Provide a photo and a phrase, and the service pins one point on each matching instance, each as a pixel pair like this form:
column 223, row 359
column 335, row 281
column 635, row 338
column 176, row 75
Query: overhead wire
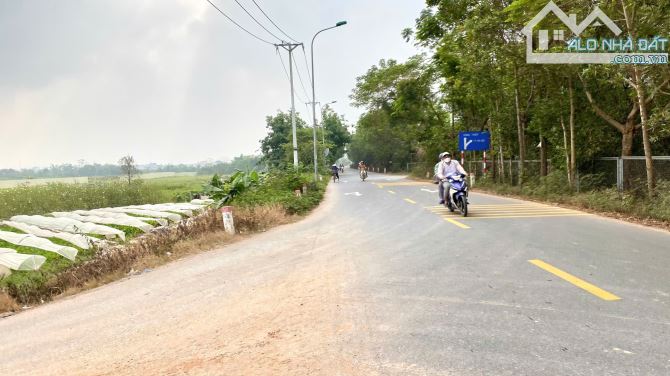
column 255, row 20
column 287, row 75
column 300, row 79
column 270, row 19
column 309, row 74
column 238, row 25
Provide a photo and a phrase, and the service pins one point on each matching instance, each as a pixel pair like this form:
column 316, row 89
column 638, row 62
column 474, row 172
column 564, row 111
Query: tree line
column 241, row 162
column 473, row 76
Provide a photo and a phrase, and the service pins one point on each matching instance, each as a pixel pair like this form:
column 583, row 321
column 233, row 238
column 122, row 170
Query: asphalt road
column 379, row 280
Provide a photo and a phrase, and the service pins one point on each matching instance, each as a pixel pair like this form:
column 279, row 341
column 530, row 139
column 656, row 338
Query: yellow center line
column 457, row 223
column 474, row 216
column 410, row 201
column 391, row 192
column 595, row 290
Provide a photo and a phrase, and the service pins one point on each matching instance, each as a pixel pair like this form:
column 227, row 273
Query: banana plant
column 223, row 191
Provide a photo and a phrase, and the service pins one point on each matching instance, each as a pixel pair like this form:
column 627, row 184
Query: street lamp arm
column 314, row 96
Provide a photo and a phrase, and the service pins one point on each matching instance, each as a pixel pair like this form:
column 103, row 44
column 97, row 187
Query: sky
column 173, row 81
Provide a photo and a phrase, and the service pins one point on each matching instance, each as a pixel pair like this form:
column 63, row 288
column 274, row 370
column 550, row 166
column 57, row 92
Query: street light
column 316, row 172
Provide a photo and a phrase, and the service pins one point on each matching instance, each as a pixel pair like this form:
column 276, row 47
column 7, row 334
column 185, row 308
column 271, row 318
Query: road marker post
column 228, row 223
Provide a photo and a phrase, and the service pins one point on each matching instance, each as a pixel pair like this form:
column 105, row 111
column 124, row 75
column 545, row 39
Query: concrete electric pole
column 290, row 47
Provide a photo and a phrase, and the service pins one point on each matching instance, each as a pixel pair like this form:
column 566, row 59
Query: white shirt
column 447, row 169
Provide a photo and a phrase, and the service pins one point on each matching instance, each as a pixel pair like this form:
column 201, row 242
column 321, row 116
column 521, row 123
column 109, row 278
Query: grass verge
column 606, row 201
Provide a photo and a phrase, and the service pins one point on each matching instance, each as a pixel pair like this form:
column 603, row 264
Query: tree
column 128, row 167
column 336, row 134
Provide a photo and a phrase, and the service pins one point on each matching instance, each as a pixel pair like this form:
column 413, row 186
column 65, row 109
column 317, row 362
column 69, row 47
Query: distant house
column 593, row 19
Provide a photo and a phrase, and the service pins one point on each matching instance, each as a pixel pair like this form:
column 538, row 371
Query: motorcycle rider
column 362, row 169
column 335, row 171
column 446, row 168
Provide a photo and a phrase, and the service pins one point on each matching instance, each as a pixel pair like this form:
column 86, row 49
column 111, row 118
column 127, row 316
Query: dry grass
column 260, row 218
column 7, row 303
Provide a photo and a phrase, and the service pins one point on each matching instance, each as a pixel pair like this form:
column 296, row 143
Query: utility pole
column 290, row 47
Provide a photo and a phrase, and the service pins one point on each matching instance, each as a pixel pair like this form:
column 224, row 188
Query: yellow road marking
column 391, row 192
column 403, row 183
column 410, row 201
column 457, row 223
column 595, row 290
column 524, row 216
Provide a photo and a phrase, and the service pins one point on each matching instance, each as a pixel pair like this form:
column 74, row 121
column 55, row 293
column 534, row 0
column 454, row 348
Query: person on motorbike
column 335, row 171
column 362, row 170
column 446, row 168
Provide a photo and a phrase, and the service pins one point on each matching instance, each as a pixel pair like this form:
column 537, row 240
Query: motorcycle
column 458, row 193
column 363, row 174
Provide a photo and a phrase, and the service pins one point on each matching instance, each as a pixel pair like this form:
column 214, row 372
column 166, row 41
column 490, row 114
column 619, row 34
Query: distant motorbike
column 363, row 174
column 458, row 194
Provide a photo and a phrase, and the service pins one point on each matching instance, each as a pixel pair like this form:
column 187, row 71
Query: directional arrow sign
column 474, row 141
column 353, row 194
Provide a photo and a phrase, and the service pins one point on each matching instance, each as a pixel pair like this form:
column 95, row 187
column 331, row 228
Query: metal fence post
column 619, row 174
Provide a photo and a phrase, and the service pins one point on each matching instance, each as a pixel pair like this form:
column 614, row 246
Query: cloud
column 168, row 81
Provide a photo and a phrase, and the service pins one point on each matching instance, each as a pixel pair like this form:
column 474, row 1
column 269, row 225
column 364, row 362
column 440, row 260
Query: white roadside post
column 228, row 223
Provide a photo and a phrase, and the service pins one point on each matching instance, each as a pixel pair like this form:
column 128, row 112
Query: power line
column 254, row 18
column 269, row 19
column 300, row 78
column 286, row 72
column 238, row 25
column 309, row 74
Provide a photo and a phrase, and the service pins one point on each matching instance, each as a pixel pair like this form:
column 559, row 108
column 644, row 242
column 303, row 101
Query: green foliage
column 476, row 78
column 223, row 191
column 278, row 188
column 277, row 146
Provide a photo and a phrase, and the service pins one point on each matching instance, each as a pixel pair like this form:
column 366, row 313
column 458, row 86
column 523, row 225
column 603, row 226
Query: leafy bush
column 223, row 191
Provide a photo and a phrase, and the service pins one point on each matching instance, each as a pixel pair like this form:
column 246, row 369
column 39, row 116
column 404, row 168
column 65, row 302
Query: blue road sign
column 474, row 141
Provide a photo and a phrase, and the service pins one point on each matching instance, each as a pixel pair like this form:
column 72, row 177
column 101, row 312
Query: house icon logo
column 599, row 52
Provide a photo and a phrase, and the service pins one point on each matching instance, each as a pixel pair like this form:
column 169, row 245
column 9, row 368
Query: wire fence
column 623, row 173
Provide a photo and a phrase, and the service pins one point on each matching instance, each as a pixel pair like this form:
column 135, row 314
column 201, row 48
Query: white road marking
column 428, row 190
column 354, row 194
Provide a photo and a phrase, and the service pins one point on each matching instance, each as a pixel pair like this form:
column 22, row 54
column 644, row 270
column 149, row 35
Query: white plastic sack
column 105, row 221
column 162, row 208
column 107, row 214
column 202, row 201
column 81, row 241
column 70, row 225
column 18, row 261
column 29, row 240
column 149, row 213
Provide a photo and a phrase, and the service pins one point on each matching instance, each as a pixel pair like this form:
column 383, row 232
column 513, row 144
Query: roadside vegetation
column 279, row 193
column 260, row 201
column 550, row 125
column 553, row 188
